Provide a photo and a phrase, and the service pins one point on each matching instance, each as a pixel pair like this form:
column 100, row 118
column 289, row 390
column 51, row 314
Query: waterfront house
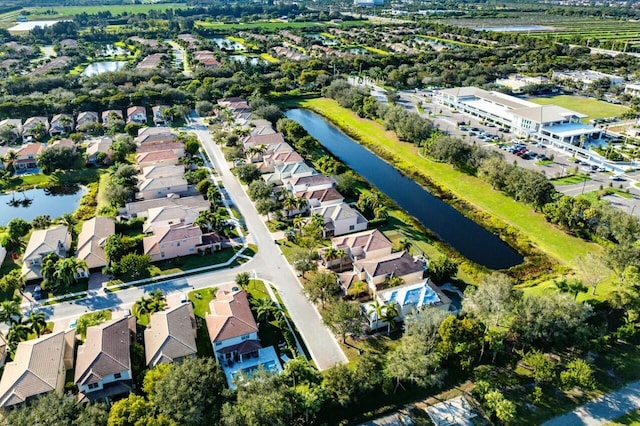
column 103, row 363
column 27, row 156
column 39, row 367
column 98, row 148
column 170, row 335
column 340, row 219
column 162, row 186
column 378, row 271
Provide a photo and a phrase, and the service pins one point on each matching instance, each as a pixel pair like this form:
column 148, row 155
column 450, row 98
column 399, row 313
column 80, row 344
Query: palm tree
column 341, row 254
column 10, row 312
column 158, row 301
column 330, row 254
column 68, row 220
column 264, row 308
column 37, row 322
column 391, row 312
column 357, row 288
column 48, row 268
column 393, row 281
column 142, row 307
column 18, row 332
column 376, row 308
column 67, row 269
column 573, row 286
column 405, row 245
column 242, row 280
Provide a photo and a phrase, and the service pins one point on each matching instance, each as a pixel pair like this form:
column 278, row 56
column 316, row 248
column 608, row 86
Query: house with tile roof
column 137, row 114
column 232, row 329
column 170, row 335
column 370, row 244
column 154, row 136
column 86, row 117
column 289, row 171
column 91, row 242
column 39, row 367
column 110, row 115
column 173, row 241
column 376, row 271
column 157, row 158
column 170, row 215
column 27, row 156
column 176, row 147
column 162, row 186
column 97, row 146
column 322, row 197
column 309, row 183
column 31, row 123
column 141, row 208
column 14, row 124
column 60, row 124
column 152, row 172
column 340, row 219
column 268, row 139
column 42, row 242
column 103, row 363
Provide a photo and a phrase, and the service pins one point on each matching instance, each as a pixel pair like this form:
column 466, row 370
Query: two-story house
column 103, row 363
column 110, row 115
column 162, row 186
column 154, row 136
column 376, row 272
column 160, row 114
column 99, row 150
column 340, row 219
column 137, row 114
column 309, row 183
column 170, row 335
column 39, row 367
column 173, row 241
column 232, row 329
column 85, row 118
column 42, row 242
column 31, row 124
column 159, row 217
column 61, row 124
column 27, row 156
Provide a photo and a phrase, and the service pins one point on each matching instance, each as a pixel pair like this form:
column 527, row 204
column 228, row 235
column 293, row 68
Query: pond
column 467, row 237
column 54, row 201
column 226, row 44
column 111, row 50
column 102, row 67
column 252, row 60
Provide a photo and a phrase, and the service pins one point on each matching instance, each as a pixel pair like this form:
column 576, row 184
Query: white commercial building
column 587, row 78
column 549, row 124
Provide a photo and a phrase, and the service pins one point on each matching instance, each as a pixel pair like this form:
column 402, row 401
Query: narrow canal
column 467, row 237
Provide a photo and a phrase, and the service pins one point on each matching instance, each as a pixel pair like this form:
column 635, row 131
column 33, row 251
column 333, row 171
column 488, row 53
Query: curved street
column 268, row 264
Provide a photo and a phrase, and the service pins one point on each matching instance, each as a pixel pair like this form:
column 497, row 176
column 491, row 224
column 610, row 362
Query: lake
column 467, row 237
column 102, row 67
column 226, row 44
column 55, row 202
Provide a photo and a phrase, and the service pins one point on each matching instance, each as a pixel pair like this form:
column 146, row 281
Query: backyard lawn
column 405, row 157
column 594, row 108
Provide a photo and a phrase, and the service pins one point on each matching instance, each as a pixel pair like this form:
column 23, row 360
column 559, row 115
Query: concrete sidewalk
column 602, row 410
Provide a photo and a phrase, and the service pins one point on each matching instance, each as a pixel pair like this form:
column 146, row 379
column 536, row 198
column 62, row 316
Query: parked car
column 37, row 293
column 616, row 177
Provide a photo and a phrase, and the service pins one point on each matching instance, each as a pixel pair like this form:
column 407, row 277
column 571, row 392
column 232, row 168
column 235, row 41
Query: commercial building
column 549, row 124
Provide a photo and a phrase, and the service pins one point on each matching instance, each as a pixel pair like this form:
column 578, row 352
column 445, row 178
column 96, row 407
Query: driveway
column 601, row 410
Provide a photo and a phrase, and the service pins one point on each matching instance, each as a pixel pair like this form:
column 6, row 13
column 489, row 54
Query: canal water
column 467, row 237
column 26, row 205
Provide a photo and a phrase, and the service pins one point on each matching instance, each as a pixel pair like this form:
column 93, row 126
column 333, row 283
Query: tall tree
column 592, row 269
column 343, row 318
column 321, row 287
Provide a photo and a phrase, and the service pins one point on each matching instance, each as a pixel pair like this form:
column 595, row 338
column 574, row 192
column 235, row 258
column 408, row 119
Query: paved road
column 603, row 409
column 271, row 265
column 268, row 264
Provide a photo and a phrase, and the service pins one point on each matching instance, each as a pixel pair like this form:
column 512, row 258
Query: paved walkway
column 604, row 409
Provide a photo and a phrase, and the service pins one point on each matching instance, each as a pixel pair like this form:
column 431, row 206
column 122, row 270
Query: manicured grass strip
column 478, row 193
column 36, row 13
column 594, row 108
column 570, row 180
column 449, row 41
column 269, row 58
column 375, row 50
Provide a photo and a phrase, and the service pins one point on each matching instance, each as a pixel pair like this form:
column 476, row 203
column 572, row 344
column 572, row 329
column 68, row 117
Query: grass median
column 472, row 190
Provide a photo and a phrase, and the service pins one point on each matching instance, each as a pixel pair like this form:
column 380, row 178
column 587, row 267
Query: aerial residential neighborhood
column 318, row 213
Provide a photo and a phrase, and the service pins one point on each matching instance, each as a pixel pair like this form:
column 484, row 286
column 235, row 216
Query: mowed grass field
column 476, row 192
column 594, row 108
column 36, row 13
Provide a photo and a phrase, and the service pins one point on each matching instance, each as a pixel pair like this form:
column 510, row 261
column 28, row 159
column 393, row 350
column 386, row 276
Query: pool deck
column 265, row 355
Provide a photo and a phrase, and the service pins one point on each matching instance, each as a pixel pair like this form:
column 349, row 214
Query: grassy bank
column 478, row 194
column 591, row 107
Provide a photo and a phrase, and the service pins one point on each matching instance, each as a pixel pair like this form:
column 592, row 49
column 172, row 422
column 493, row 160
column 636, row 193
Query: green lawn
column 570, row 179
column 69, row 11
column 476, row 192
column 201, row 299
column 594, row 108
column 186, row 263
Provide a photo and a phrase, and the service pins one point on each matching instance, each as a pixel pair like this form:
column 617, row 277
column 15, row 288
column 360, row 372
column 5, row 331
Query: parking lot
column 527, row 155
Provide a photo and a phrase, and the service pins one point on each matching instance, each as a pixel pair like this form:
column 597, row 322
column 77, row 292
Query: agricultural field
column 594, row 108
